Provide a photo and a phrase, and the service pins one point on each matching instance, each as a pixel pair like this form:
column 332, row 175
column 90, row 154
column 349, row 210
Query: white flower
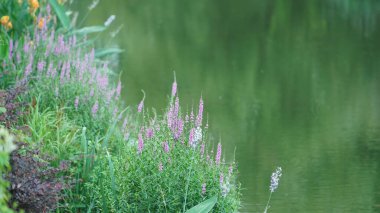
column 198, row 134
column 275, row 179
column 93, row 4
column 196, row 137
column 225, row 187
column 109, row 20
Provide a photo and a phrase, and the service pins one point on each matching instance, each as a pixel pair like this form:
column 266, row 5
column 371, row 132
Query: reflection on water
column 288, row 83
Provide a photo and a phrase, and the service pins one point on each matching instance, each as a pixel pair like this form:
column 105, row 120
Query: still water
column 287, row 83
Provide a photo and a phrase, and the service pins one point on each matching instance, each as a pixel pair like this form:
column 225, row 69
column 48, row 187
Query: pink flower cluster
column 174, row 120
column 65, row 60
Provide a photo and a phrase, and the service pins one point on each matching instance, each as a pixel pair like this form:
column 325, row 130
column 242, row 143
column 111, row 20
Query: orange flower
column 9, row 26
column 33, row 6
column 41, row 23
column 4, row 20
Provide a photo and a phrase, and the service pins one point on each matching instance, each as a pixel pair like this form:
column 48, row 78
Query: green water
column 288, row 83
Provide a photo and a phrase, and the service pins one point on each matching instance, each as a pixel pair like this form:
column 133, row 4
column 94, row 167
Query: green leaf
column 2, row 110
column 60, row 11
column 3, row 46
column 204, row 207
column 87, row 30
column 108, row 51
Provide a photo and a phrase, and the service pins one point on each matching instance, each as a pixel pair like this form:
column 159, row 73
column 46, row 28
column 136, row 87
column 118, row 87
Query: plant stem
column 267, row 206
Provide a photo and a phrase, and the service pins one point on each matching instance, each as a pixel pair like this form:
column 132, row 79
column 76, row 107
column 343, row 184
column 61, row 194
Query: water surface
column 288, row 83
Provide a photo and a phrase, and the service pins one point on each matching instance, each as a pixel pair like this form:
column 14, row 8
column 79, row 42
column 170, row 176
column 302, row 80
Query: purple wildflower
column 202, row 151
column 76, row 102
column 191, row 136
column 170, row 117
column 53, row 72
column 174, row 88
column 160, row 167
column 141, row 106
column 40, row 66
column 109, row 96
column 178, row 129
column 176, row 107
column 95, row 108
column 192, row 115
column 48, row 9
column 118, row 90
column 198, row 122
column 28, row 69
column 140, row 144
column 102, row 81
column 218, row 154
column 203, row 188
column 26, row 47
column 149, row 133
column 62, row 77
column 165, row 146
column 221, row 179
column 60, row 47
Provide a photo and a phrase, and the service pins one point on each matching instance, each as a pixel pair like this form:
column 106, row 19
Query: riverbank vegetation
column 79, row 147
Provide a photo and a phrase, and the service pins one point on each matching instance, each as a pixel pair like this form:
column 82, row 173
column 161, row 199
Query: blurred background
column 290, row 83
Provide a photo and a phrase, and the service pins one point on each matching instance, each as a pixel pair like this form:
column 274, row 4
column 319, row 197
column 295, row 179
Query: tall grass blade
column 108, row 51
column 60, row 11
column 88, row 30
column 204, row 207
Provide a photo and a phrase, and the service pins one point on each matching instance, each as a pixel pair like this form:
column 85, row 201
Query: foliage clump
column 10, row 108
column 165, row 165
column 35, row 185
column 6, row 147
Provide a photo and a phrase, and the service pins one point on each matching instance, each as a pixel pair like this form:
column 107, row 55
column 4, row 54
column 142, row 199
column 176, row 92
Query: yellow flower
column 4, row 20
column 33, row 6
column 9, row 26
column 41, row 23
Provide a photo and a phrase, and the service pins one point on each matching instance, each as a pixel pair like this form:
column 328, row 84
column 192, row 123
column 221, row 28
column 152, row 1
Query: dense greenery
column 6, row 146
column 121, row 159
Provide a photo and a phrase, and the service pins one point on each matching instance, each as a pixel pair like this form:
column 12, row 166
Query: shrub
column 10, row 108
column 35, row 185
column 164, row 166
